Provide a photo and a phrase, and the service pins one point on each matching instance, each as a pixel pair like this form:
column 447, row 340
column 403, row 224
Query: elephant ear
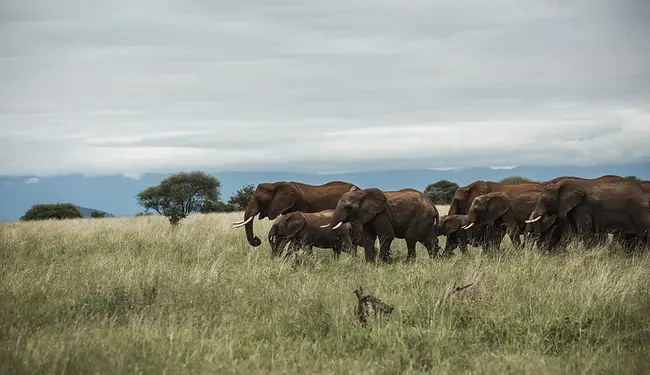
column 284, row 197
column 570, row 195
column 295, row 224
column 497, row 205
column 372, row 203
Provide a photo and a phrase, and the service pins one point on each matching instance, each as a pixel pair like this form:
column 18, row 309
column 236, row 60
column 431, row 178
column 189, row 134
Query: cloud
column 320, row 86
column 32, row 181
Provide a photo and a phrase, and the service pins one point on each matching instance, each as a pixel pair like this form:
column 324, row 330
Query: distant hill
column 86, row 212
column 116, row 193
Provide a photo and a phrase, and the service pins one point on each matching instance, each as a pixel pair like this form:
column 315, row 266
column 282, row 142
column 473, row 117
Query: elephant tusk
column 534, row 220
column 338, row 225
column 242, row 223
column 468, row 226
column 325, row 226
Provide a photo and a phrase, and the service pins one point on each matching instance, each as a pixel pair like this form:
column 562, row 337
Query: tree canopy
column 52, row 211
column 441, row 192
column 239, row 200
column 180, row 194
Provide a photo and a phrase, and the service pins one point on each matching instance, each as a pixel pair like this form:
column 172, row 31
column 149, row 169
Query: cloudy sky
column 126, row 86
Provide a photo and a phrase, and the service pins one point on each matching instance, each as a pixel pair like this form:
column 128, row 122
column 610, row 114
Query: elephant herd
column 341, row 216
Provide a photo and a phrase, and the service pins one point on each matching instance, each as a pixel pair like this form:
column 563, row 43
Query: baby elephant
column 303, row 230
column 451, row 226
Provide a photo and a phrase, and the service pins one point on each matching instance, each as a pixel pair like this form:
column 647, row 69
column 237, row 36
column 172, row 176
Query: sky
column 101, row 87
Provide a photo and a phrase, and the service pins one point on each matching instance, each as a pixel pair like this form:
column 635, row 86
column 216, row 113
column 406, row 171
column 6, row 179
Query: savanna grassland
column 135, row 295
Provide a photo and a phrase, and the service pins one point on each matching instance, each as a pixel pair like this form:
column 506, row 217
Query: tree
column 441, row 192
column 188, row 190
column 513, row 180
column 209, row 206
column 181, row 194
column 632, row 178
column 239, row 200
column 52, row 211
column 97, row 214
column 151, row 199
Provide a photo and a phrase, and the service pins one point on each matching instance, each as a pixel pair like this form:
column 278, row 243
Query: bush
column 97, row 214
column 52, row 211
column 441, row 192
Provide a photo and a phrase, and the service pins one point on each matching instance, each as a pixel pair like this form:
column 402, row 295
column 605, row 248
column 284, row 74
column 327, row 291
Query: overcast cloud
column 333, row 85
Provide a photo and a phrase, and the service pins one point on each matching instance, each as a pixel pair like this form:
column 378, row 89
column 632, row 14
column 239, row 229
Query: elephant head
column 486, row 209
column 269, row 200
column 465, row 195
column 451, row 226
column 557, row 199
column 451, row 223
column 285, row 229
column 358, row 207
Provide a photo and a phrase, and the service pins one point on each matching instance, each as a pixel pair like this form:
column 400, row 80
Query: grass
column 134, row 295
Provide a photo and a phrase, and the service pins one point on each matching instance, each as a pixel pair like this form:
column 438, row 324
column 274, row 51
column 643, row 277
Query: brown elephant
column 465, row 195
column 303, row 230
column 499, row 210
column 451, row 226
column 594, row 207
column 274, row 199
column 550, row 232
column 405, row 213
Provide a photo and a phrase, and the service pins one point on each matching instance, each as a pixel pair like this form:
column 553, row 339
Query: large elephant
column 596, row 207
column 465, row 195
column 405, row 213
column 274, row 199
column 500, row 211
column 550, row 232
column 303, row 230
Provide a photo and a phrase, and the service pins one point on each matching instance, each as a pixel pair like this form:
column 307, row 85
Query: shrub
column 52, row 211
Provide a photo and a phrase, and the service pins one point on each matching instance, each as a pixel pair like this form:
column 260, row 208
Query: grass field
column 134, row 295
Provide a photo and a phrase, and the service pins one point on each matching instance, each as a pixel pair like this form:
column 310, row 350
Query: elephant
column 595, row 207
column 451, row 226
column 274, row 199
column 405, row 213
column 303, row 229
column 551, row 231
column 499, row 210
column 465, row 195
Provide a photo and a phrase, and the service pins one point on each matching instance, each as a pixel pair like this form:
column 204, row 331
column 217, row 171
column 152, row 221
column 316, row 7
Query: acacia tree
column 441, row 192
column 239, row 200
column 180, row 194
column 151, row 199
column 187, row 190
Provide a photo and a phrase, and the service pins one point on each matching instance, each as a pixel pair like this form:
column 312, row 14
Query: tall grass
column 135, row 295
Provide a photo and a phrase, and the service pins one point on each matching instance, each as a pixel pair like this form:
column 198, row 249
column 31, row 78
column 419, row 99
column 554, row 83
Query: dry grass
column 134, row 295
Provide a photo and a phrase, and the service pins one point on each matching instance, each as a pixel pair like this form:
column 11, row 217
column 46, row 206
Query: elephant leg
column 350, row 247
column 410, row 246
column 386, row 234
column 369, row 238
column 337, row 251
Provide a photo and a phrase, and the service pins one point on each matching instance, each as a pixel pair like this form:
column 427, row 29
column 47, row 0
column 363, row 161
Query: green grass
column 134, row 295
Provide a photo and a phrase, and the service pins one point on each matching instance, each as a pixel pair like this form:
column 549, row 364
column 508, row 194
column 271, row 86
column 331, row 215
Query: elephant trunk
column 251, row 211
column 338, row 218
